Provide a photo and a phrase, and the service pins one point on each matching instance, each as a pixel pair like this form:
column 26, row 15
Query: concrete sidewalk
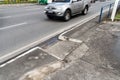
column 96, row 57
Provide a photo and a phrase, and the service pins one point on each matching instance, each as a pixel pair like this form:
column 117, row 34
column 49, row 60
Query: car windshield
column 61, row 0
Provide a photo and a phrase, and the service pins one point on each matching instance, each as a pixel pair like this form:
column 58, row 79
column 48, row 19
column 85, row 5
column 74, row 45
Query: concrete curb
column 64, row 38
column 41, row 72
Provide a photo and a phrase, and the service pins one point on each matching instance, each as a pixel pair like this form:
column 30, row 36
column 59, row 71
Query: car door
column 77, row 6
column 74, row 7
column 80, row 5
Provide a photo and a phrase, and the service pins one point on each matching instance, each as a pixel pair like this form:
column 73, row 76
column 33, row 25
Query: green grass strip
column 117, row 15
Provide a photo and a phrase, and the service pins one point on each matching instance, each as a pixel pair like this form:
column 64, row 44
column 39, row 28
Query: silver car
column 66, row 8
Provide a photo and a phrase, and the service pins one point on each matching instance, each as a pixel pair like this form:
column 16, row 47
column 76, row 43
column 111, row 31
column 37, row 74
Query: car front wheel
column 67, row 15
column 50, row 17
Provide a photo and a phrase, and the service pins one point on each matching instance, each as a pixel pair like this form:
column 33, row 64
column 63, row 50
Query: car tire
column 67, row 15
column 85, row 11
column 50, row 17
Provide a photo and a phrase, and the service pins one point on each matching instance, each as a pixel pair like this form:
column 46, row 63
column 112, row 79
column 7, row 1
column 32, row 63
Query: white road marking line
column 27, row 9
column 19, row 56
column 4, row 17
column 27, row 14
column 33, row 9
column 11, row 26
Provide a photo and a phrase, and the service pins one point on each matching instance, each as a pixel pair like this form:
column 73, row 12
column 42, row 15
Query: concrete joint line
column 70, row 52
column 51, row 54
column 41, row 72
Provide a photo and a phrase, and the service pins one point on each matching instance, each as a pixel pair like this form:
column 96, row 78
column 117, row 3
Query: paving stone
column 62, row 48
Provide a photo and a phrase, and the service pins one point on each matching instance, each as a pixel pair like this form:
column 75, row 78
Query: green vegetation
column 17, row 1
column 117, row 17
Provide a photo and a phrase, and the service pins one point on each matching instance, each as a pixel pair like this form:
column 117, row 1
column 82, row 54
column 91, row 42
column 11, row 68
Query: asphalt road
column 24, row 25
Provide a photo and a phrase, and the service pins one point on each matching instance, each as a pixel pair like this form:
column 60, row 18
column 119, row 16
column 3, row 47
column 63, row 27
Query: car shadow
column 58, row 19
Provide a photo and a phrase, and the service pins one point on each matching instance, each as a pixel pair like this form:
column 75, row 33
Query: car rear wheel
column 67, row 15
column 85, row 11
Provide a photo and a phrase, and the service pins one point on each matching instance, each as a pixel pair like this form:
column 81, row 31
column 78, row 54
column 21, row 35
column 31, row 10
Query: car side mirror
column 74, row 1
